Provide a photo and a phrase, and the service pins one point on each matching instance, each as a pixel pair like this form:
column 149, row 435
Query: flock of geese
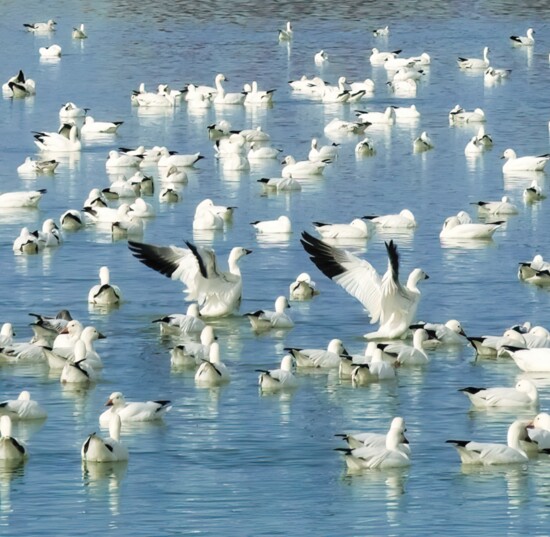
column 391, row 301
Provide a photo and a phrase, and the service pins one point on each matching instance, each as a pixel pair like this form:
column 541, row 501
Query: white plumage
column 523, row 394
column 132, row 411
column 97, row 449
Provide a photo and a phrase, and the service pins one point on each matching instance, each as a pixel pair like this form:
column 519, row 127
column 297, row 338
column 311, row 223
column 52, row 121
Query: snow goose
column 391, row 454
column 301, row 168
column 474, row 147
column 280, row 184
column 385, row 298
column 255, row 96
column 484, row 138
column 491, row 453
column 104, row 293
column 255, row 135
column 141, row 209
column 365, row 148
column 26, row 243
column 320, row 57
column 41, row 27
column 358, row 228
column 529, row 269
column 535, row 359
column 226, row 98
column 224, row 211
column 403, row 220
column 377, row 369
column 191, row 353
column 475, row 63
column 262, row 152
column 235, row 163
column 97, row 449
column 51, row 52
column 19, row 87
column 11, row 449
column 409, row 71
column 368, row 439
column 454, row 229
column 414, row 355
column 502, row 207
column 303, row 288
column 76, row 370
column 130, row 226
column 422, row 143
column 406, row 113
column 366, row 86
column 322, row 153
column 37, row 166
column 527, row 163
column 106, row 215
column 95, row 199
column 59, row 356
column 336, row 94
column 533, row 192
column 49, row 328
column 264, row 319
column 539, row 430
column 523, row 394
column 212, row 372
column 280, row 225
column 385, row 118
column 524, row 40
column 169, row 194
column 6, row 334
column 283, row 378
column 173, row 174
column 121, row 160
column 132, row 411
column 21, row 199
column 322, row 358
column 23, row 408
column 340, row 126
column 49, row 234
column 447, row 334
column 179, row 324
column 91, row 126
column 287, row 33
column 493, row 76
column 381, row 32
column 68, row 332
column 218, row 293
column 379, row 58
column 71, row 111
column 79, row 33
column 206, row 218
column 168, row 159
column 66, row 140
column 310, row 86
column 121, row 188
column 459, row 115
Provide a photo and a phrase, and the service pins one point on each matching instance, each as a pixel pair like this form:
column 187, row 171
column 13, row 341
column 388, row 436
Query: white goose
column 475, row 63
column 403, row 220
column 37, row 166
column 342, row 127
column 501, row 207
column 301, row 168
column 212, row 372
column 524, row 40
column 272, row 380
column 121, row 160
column 379, row 58
column 262, row 320
column 533, row 192
column 422, row 143
column 27, row 243
column 21, row 200
column 539, row 430
column 453, row 228
column 368, row 439
column 169, row 158
column 255, row 96
column 226, row 98
column 287, row 34
column 191, row 353
column 280, row 184
column 323, row 358
column 447, row 334
column 523, row 164
column 19, row 87
column 385, row 298
column 358, row 228
column 91, row 126
column 79, row 33
column 65, row 141
column 11, row 449
column 104, row 293
column 280, row 225
column 132, row 411
column 179, row 324
column 535, row 359
column 303, row 288
column 97, row 449
column 387, row 117
column 322, row 153
column 218, row 293
column 41, row 27
column 23, row 408
column 77, row 370
column 365, row 148
column 51, row 52
column 523, row 394
column 458, row 115
column 71, row 111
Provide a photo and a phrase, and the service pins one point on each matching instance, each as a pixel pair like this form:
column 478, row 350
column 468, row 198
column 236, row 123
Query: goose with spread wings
column 218, row 293
column 388, row 302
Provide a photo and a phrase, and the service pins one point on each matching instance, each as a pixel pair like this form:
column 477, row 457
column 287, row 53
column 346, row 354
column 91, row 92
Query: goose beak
column 109, row 402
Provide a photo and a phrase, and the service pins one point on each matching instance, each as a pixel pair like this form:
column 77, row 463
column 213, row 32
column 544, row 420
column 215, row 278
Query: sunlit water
column 230, row 461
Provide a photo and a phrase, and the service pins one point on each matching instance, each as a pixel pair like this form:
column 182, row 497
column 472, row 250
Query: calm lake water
column 231, row 461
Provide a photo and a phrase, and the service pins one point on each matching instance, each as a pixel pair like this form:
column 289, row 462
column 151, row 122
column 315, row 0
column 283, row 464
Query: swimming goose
column 97, row 449
column 484, row 138
column 206, row 218
column 19, row 87
column 539, row 430
column 280, row 225
column 403, row 220
column 171, row 158
column 368, row 439
column 132, row 411
column 212, row 372
column 226, row 98
column 164, row 97
column 459, row 115
column 322, row 153
column 287, row 34
column 280, row 184
column 37, row 166
column 530, row 269
column 79, row 33
column 340, row 126
column 534, row 359
column 169, row 194
column 320, row 57
column 385, row 298
column 283, row 378
column 179, row 324
column 527, row 163
column 492, row 75
column 141, row 209
column 367, row 86
column 375, row 370
column 173, row 174
column 76, row 369
column 51, row 52
column 533, row 192
column 385, row 118
column 95, row 199
column 504, row 206
column 49, row 234
column 91, row 126
column 121, row 188
column 301, row 168
column 474, row 147
column 40, row 27
column 70, row 111
column 365, row 148
column 381, row 32
column 191, row 353
column 523, row 394
column 27, row 243
column 255, row 96
column 448, row 334
column 104, row 293
column 322, row 358
column 303, row 288
column 490, row 453
column 21, row 199
column 11, row 449
column 262, row 152
column 408, row 71
column 68, row 335
column 59, row 356
column 264, row 319
column 379, row 58
column 525, row 40
column 422, row 143
column 310, row 86
column 23, row 408
column 358, row 228
column 66, row 140
column 106, row 215
column 338, row 93
column 48, row 328
column 475, row 63
column 408, row 355
column 218, row 293
column 392, row 454
column 121, row 160
column 453, row 228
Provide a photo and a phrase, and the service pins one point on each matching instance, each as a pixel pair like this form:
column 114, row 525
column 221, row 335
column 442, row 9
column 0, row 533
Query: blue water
column 229, row 461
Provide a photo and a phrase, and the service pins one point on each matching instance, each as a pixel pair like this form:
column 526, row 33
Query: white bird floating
column 255, row 96
column 23, row 408
column 51, row 52
column 534, row 359
column 31, row 166
column 262, row 320
column 402, row 220
column 358, row 228
column 322, row 153
column 387, row 117
column 385, row 298
column 66, row 140
column 374, row 371
column 320, row 57
column 303, row 288
column 104, row 293
column 533, row 192
column 342, row 127
column 503, row 207
column 79, row 33
column 41, row 27
column 272, row 380
column 24, row 199
column 523, row 394
column 539, row 431
column 458, row 115
column 280, row 225
column 379, row 58
column 97, row 449
column 287, row 34
column 132, row 411
column 365, row 148
column 212, row 372
column 19, row 87
column 475, row 63
column 454, row 228
column 182, row 324
column 523, row 164
column 493, row 76
column 524, row 40
column 381, row 32
column 536, row 271
column 422, row 143
column 218, row 293
column 302, row 168
column 369, row 439
column 11, row 449
column 191, row 353
column 77, row 370
column 91, row 126
column 442, row 335
column 280, row 184
column 490, row 453
column 321, row 358
column 222, row 97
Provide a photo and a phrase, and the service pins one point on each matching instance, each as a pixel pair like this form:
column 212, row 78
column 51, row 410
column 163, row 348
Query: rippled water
column 231, row 461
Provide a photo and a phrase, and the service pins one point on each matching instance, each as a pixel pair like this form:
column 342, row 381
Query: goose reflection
column 103, row 480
